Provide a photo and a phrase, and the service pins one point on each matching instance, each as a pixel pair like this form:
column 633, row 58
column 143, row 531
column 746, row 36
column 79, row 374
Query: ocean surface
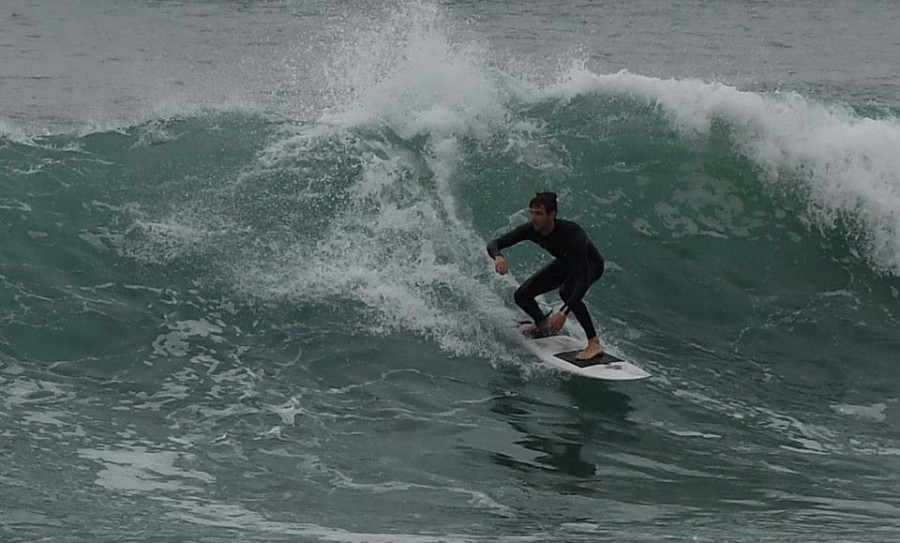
column 244, row 292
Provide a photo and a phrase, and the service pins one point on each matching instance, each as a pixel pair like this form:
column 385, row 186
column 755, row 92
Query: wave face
column 263, row 321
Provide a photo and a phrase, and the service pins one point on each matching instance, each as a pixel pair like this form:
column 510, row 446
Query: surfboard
column 559, row 351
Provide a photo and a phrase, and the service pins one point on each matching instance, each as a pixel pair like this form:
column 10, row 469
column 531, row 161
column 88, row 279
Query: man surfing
column 576, row 266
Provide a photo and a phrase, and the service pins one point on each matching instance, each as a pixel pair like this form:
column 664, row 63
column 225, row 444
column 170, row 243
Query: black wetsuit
column 577, row 265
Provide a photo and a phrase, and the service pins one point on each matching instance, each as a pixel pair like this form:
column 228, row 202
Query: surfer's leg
column 579, row 309
column 581, row 314
column 594, row 347
column 544, row 280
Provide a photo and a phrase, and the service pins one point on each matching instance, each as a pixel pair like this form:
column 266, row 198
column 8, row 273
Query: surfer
column 576, row 266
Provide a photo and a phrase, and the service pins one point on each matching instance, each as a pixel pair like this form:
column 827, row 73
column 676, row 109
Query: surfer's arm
column 508, row 239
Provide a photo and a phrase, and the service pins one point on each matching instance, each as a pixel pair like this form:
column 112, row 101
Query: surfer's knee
column 522, row 296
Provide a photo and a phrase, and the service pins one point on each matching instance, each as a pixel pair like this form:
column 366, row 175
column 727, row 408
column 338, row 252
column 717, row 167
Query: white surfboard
column 559, row 352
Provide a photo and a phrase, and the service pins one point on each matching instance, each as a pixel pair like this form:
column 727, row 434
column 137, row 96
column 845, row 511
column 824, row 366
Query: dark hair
column 547, row 200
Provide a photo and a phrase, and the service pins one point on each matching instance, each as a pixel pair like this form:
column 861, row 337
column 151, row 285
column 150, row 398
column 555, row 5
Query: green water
column 233, row 324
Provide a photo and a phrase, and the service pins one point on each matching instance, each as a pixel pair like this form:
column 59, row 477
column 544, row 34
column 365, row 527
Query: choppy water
column 244, row 294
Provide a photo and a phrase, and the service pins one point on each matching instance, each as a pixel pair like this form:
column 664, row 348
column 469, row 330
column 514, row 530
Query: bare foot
column 593, row 349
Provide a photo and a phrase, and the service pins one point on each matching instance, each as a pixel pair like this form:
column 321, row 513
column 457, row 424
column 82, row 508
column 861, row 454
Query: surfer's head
column 547, row 200
column 543, row 211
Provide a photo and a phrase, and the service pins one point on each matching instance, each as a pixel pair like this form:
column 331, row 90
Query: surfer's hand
column 500, row 265
column 557, row 321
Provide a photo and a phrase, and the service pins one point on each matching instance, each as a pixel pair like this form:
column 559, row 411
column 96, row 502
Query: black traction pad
column 569, row 357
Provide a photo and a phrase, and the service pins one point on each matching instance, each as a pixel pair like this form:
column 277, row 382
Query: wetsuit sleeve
column 581, row 268
column 509, row 239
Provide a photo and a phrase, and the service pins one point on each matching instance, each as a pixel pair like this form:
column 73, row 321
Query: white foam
column 135, row 469
column 183, row 232
column 694, row 433
column 205, row 512
column 476, row 498
column 811, row 438
column 14, row 204
column 27, row 392
column 848, row 165
column 397, row 244
column 175, row 342
column 406, row 74
column 874, row 412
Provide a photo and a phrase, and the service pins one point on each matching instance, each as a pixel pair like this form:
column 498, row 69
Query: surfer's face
column 540, row 219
